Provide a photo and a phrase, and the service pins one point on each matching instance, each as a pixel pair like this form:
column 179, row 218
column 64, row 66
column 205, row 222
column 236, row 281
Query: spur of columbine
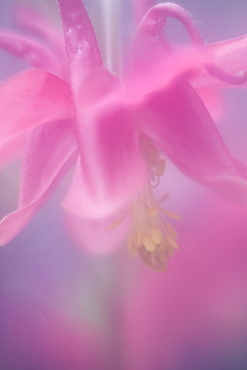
column 78, row 112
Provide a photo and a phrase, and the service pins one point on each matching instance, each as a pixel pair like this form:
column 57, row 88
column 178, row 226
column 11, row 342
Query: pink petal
column 37, row 23
column 96, row 235
column 155, row 62
column 213, row 102
column 31, row 51
column 140, row 7
column 80, row 40
column 159, row 74
column 29, row 99
column 10, row 150
column 49, row 152
column 230, row 55
column 109, row 174
column 151, row 46
column 178, row 122
column 111, row 168
column 149, row 40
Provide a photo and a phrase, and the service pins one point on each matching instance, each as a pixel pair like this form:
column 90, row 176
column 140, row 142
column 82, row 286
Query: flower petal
column 154, row 62
column 31, row 51
column 29, row 99
column 179, row 123
column 151, row 46
column 37, row 23
column 140, row 7
column 149, row 40
column 111, row 168
column 213, row 102
column 11, row 150
column 49, row 152
column 161, row 72
column 96, row 234
column 230, row 55
column 80, row 40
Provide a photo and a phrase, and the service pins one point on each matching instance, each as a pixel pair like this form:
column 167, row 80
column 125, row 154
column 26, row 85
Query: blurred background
column 64, row 308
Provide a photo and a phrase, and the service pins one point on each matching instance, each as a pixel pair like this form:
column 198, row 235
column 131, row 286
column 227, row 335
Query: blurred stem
column 111, row 22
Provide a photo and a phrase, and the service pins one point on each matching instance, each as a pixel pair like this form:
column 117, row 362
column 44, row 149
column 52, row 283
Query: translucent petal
column 50, row 151
column 29, row 99
column 80, row 40
column 179, row 123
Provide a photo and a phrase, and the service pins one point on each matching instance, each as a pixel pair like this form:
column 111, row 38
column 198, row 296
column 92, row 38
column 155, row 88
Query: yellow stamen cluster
column 152, row 236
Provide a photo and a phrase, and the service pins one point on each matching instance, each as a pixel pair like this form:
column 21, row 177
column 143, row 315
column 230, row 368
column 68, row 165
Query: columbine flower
column 118, row 134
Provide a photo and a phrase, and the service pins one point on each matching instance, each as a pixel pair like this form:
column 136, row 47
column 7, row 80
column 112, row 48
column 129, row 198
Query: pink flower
column 118, row 134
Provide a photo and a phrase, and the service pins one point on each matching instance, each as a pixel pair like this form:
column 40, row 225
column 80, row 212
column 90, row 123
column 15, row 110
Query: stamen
column 148, row 243
column 171, row 214
column 163, row 197
column 132, row 246
column 152, row 236
column 135, row 241
column 171, row 231
column 138, row 239
column 116, row 223
column 152, row 211
column 156, row 236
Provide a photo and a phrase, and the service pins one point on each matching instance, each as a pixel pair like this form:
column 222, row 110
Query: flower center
column 152, row 236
